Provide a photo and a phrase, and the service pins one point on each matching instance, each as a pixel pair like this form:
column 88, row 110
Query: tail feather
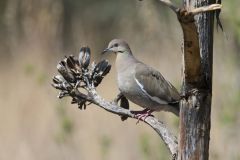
column 174, row 107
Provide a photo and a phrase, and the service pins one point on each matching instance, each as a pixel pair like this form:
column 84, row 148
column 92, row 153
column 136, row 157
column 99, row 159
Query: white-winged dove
column 142, row 84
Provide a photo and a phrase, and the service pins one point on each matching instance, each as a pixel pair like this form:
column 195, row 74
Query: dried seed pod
column 100, row 70
column 100, row 67
column 84, row 57
column 73, row 66
column 71, row 63
column 58, row 79
column 62, row 86
column 74, row 100
column 63, row 94
column 106, row 71
column 67, row 75
column 82, row 104
column 97, row 80
column 67, row 86
column 124, row 104
column 58, row 86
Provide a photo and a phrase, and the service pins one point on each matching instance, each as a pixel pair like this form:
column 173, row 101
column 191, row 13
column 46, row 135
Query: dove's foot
column 142, row 115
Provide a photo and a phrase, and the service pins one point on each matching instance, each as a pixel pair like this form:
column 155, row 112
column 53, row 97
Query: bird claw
column 142, row 115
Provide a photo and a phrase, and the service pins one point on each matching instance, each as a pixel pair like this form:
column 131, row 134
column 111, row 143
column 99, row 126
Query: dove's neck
column 124, row 61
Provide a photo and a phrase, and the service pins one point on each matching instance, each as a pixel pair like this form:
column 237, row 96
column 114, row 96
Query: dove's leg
column 142, row 115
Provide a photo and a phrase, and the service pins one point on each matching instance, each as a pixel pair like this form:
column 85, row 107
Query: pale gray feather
column 142, row 84
column 155, row 85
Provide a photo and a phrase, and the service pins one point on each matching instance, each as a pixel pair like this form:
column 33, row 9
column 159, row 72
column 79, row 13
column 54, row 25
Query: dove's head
column 118, row 46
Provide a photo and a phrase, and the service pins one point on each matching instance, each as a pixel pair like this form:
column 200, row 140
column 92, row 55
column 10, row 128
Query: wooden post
column 195, row 109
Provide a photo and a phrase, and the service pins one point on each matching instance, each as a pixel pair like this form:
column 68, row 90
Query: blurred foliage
column 231, row 16
column 145, row 146
column 105, row 144
column 42, row 78
column 231, row 110
column 66, row 123
column 161, row 151
column 175, row 122
column 150, row 149
column 34, row 72
column 29, row 69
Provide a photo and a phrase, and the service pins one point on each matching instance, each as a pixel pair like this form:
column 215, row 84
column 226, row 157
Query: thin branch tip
column 170, row 4
column 203, row 9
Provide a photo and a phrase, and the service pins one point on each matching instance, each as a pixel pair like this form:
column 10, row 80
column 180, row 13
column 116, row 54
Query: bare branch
column 194, row 11
column 77, row 75
column 170, row 5
column 211, row 7
column 169, row 139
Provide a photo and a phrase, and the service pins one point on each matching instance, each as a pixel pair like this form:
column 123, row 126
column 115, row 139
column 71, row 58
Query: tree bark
column 195, row 109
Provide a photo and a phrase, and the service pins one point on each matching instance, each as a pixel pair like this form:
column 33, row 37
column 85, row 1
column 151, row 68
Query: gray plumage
column 142, row 84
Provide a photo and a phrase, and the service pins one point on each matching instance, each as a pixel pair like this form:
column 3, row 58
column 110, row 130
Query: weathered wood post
column 195, row 111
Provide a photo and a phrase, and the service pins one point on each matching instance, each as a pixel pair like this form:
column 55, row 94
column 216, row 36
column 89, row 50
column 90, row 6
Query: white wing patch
column 156, row 99
column 140, row 85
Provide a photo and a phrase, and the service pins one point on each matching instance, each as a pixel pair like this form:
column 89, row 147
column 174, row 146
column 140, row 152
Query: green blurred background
column 35, row 35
